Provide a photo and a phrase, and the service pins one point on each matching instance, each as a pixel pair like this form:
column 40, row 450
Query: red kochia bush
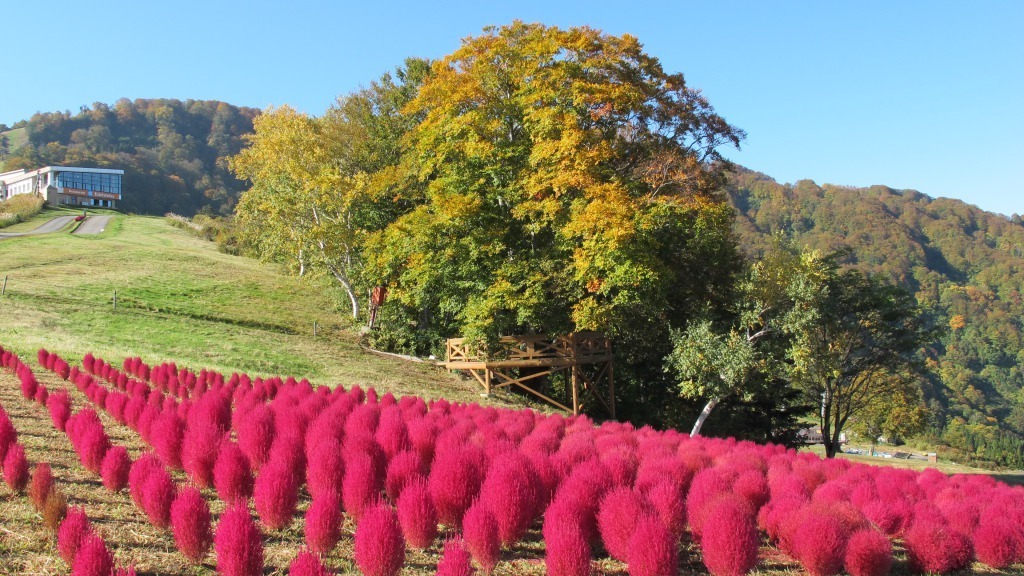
column 667, row 500
column 402, row 468
column 231, row 474
column 617, row 516
column 307, row 564
column 868, row 553
column 455, row 560
column 238, row 543
column 417, row 515
column 168, row 432
column 8, row 435
column 567, row 552
column 72, row 531
column 820, row 542
column 323, row 523
column 480, row 531
column 325, row 468
column 158, row 492
column 997, row 541
column 379, row 548
column 93, row 558
column 40, row 485
column 59, row 406
column 455, row 479
column 933, row 547
column 276, row 494
column 256, row 434
column 510, row 492
column 190, row 519
column 652, row 551
column 16, row 468
column 729, row 542
column 137, row 475
column 115, row 468
column 199, row 450
column 360, row 487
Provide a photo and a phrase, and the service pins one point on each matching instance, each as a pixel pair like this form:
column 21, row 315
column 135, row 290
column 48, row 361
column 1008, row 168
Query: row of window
column 90, row 181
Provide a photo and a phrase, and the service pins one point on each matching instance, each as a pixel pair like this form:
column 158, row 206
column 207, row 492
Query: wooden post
column 115, row 300
column 4, row 291
column 575, row 390
column 314, row 328
column 487, row 381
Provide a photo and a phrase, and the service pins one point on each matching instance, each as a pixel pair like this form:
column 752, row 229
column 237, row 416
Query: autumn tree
column 314, row 196
column 862, row 350
column 569, row 183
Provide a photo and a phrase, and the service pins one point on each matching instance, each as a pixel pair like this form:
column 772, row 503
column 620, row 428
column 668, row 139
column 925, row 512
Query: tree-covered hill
column 962, row 263
column 173, row 153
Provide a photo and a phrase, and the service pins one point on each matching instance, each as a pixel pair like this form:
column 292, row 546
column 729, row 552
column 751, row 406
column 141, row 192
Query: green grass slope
column 180, row 299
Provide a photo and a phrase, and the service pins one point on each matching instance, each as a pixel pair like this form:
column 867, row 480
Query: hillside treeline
column 963, row 265
column 174, row 153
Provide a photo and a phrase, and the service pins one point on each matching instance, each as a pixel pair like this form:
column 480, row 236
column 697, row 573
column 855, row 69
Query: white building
column 66, row 185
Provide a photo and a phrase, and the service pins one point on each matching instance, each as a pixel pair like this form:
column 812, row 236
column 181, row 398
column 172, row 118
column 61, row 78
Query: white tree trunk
column 703, row 416
column 348, row 290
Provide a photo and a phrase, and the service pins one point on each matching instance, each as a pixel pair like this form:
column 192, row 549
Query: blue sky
column 914, row 94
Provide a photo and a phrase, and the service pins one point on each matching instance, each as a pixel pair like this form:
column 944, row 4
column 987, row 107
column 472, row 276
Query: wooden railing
column 578, row 346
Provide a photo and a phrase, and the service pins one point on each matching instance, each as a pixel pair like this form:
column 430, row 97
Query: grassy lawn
column 16, row 138
column 180, row 299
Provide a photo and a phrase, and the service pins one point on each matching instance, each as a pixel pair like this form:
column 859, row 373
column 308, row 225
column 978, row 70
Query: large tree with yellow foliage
column 570, row 183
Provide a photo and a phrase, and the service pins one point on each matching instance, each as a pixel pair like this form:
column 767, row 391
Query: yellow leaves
column 957, row 322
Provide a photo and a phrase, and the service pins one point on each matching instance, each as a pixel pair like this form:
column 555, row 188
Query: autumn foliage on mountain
column 173, row 153
column 961, row 263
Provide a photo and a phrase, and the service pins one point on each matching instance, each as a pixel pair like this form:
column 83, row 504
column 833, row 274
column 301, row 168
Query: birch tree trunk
column 703, row 416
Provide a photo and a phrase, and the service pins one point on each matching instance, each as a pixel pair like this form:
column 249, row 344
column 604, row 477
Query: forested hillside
column 173, row 153
column 963, row 264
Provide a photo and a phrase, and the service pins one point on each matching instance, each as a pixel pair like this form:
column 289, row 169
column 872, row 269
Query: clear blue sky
column 910, row 94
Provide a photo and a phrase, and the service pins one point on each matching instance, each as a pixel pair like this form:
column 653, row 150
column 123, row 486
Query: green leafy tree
column 863, row 348
column 720, row 354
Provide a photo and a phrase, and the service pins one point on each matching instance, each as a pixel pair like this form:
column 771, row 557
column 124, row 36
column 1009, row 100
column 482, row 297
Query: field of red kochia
column 409, row 471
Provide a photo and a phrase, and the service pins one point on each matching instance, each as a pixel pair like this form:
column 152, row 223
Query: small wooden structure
column 521, row 360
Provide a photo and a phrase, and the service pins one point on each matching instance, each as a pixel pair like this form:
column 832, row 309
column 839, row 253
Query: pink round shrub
column 256, row 434
column 566, row 550
column 820, row 543
column 933, row 547
column 360, row 487
column 238, row 543
column 325, row 468
column 455, row 559
column 652, row 551
column 417, row 515
column 115, row 468
column 893, row 517
column 868, row 553
column 16, row 468
column 402, row 468
column 158, row 492
column 276, row 494
column 729, row 542
column 617, row 516
column 137, row 475
column 231, row 475
column 706, row 487
column 455, row 479
column 510, row 492
column 480, row 532
column 997, row 542
column 323, row 523
column 307, row 563
column 190, row 519
column 59, row 407
column 168, row 432
column 379, row 548
column 73, row 529
column 668, row 501
column 199, row 449
column 93, row 558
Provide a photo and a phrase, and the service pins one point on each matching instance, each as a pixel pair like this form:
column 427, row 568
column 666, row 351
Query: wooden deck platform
column 522, row 360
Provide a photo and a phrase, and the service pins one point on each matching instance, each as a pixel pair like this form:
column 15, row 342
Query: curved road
column 53, row 225
column 93, row 225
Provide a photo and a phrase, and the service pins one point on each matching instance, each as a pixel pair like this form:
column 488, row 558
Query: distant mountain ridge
column 174, row 153
column 963, row 264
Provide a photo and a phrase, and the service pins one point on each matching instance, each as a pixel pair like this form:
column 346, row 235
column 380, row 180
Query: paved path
column 93, row 225
column 53, row 225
